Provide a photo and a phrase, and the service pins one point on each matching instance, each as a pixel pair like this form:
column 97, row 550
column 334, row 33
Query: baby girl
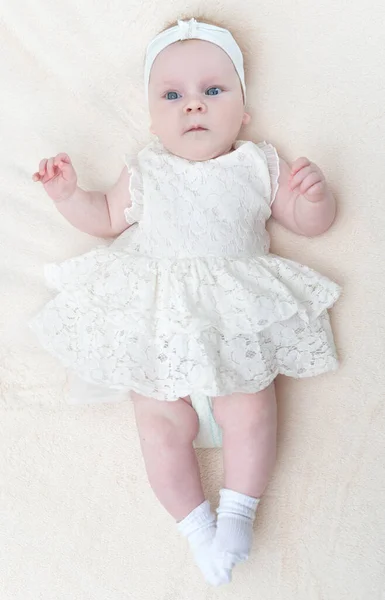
column 193, row 301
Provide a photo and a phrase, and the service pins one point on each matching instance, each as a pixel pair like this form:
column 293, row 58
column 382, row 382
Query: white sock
column 234, row 536
column 199, row 528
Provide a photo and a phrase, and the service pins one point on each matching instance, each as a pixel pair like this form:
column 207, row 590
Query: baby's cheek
column 232, row 112
column 165, row 117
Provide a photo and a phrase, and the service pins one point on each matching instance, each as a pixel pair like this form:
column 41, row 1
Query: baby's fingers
column 39, row 175
column 42, row 166
column 299, row 164
column 61, row 158
column 297, row 179
column 50, row 169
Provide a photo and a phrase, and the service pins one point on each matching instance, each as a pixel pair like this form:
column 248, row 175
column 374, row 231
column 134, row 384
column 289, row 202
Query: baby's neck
column 228, row 151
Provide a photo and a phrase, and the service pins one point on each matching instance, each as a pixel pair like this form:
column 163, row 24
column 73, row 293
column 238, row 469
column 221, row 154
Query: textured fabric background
column 77, row 518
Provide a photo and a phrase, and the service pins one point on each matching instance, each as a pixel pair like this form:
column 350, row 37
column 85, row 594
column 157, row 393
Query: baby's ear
column 246, row 119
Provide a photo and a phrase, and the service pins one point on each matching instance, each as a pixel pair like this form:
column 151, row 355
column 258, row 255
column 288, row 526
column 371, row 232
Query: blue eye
column 172, row 96
column 213, row 91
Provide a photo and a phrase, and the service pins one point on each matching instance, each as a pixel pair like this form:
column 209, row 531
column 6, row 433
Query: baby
column 193, row 301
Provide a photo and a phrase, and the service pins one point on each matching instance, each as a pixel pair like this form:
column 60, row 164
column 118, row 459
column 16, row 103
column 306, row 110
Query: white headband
column 189, row 30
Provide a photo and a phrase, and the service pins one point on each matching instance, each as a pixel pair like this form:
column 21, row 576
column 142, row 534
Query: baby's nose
column 195, row 105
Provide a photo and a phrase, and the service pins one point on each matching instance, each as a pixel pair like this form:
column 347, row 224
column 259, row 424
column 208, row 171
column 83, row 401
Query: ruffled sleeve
column 134, row 213
column 273, row 166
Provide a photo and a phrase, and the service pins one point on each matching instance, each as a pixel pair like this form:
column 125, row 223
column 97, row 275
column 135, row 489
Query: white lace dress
column 190, row 300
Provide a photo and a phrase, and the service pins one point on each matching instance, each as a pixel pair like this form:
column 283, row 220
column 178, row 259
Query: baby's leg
column 167, row 431
column 249, row 423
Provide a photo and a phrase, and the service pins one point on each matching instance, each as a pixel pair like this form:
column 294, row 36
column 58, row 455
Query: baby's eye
column 213, row 91
column 172, row 96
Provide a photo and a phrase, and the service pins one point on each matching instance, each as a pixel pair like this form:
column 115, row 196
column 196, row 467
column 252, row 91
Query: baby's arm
column 304, row 203
column 95, row 213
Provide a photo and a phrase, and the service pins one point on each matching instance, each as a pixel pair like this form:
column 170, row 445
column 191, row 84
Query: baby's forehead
column 192, row 55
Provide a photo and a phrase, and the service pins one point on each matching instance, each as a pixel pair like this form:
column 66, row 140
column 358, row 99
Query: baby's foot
column 199, row 527
column 234, row 535
column 205, row 558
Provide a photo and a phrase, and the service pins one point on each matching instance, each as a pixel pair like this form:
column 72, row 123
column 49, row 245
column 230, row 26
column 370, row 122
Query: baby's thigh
column 165, row 422
column 249, row 409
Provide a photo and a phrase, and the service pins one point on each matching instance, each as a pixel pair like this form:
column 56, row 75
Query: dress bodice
column 217, row 207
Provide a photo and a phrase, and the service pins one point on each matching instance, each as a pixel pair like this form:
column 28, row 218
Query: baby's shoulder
column 262, row 154
column 264, row 157
column 261, row 148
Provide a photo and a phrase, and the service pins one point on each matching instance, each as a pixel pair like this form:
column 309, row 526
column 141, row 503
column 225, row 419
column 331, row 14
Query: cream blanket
column 77, row 518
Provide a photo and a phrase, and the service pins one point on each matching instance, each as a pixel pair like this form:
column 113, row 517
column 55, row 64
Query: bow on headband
column 188, row 29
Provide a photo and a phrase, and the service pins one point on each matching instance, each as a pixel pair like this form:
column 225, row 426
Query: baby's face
column 195, row 100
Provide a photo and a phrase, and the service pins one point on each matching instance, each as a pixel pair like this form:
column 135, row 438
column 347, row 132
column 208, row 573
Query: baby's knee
column 168, row 424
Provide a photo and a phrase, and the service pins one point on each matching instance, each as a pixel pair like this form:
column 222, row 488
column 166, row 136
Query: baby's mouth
column 196, row 128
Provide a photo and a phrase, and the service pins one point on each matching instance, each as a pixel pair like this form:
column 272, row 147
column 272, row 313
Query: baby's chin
column 197, row 148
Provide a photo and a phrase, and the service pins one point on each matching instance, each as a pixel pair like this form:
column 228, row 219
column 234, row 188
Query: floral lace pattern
column 217, row 207
column 189, row 299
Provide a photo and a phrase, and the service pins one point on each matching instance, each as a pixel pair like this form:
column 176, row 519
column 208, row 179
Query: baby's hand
column 309, row 178
column 58, row 177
